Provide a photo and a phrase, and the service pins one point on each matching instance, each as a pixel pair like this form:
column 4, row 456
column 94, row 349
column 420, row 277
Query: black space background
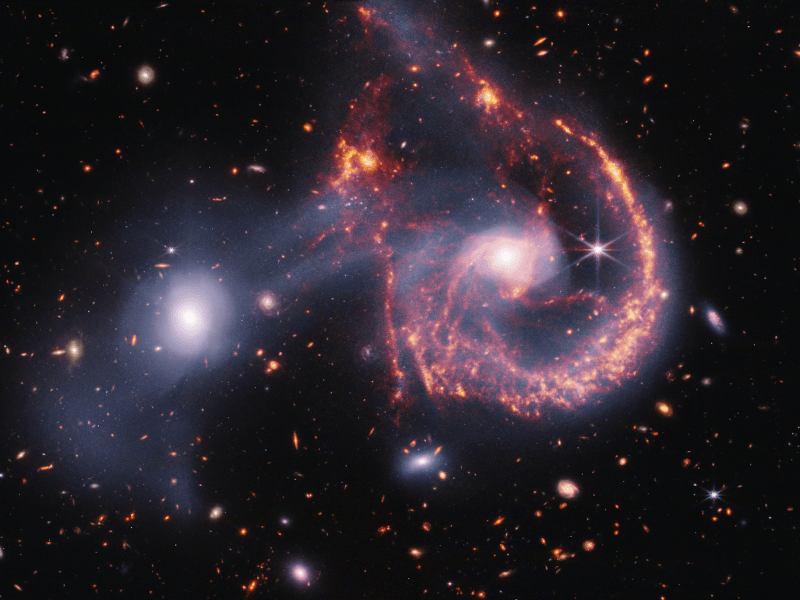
column 235, row 84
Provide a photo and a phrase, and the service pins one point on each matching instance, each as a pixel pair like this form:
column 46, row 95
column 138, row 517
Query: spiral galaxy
column 469, row 200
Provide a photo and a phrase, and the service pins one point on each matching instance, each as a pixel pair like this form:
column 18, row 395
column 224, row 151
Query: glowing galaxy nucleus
column 567, row 489
column 195, row 310
column 73, row 351
column 418, row 461
column 664, row 408
column 300, row 574
column 145, row 75
column 268, row 302
column 518, row 262
column 421, row 462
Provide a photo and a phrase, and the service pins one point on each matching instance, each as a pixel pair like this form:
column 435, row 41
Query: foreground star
column 596, row 249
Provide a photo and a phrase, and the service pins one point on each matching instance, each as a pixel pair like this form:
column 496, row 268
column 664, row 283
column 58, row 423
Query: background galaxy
column 402, row 299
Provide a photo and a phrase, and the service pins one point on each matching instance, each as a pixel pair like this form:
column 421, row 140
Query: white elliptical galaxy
column 196, row 311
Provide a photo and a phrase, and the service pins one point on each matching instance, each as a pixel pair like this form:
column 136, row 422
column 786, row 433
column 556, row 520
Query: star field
column 399, row 299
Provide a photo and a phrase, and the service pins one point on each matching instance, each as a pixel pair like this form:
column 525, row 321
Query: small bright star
column 597, row 249
column 713, row 495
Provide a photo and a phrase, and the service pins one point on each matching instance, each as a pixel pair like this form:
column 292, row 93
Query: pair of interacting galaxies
column 444, row 357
